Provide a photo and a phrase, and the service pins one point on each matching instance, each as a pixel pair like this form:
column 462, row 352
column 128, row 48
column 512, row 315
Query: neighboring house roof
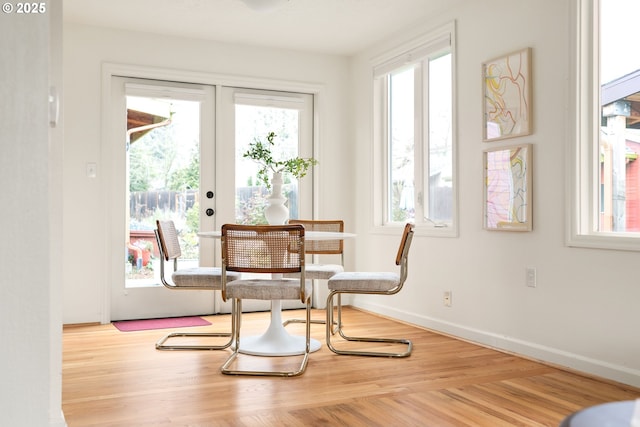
column 140, row 119
column 625, row 88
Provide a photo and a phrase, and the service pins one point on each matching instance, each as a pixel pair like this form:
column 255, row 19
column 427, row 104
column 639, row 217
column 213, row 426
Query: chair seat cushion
column 363, row 281
column 319, row 271
column 271, row 289
column 200, row 277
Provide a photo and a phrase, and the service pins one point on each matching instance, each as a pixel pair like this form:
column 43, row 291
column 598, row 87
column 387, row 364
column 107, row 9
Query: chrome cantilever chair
column 196, row 278
column 269, row 249
column 386, row 283
column 318, row 271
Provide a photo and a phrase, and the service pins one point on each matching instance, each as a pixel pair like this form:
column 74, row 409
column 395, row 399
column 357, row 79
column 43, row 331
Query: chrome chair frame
column 250, row 249
column 395, row 284
column 321, row 247
column 169, row 249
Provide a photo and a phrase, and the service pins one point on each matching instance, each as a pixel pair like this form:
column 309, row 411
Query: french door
column 246, row 114
column 164, row 161
column 176, row 153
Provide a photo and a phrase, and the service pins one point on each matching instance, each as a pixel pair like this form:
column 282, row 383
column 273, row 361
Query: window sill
column 609, row 241
column 424, row 229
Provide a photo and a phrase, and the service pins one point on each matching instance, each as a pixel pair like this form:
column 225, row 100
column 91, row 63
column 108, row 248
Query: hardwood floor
column 113, row 378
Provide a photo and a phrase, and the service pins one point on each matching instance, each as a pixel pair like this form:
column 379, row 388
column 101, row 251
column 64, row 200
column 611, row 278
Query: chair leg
column 329, row 333
column 330, row 319
column 160, row 345
column 313, row 321
column 225, row 369
column 236, row 307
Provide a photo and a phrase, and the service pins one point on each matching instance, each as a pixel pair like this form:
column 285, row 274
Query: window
column 606, row 174
column 413, row 107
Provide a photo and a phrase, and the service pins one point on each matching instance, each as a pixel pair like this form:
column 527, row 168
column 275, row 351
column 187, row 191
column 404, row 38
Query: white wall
column 85, row 51
column 30, row 163
column 583, row 313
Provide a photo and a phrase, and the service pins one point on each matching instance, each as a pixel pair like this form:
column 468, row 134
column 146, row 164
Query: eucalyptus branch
column 260, row 152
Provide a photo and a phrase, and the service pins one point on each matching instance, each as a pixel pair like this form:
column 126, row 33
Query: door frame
column 111, row 238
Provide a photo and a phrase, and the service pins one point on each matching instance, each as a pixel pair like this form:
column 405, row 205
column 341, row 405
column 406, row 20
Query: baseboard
column 544, row 354
column 58, row 421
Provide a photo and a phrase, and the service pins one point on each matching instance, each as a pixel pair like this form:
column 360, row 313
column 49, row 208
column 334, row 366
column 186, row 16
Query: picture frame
column 508, row 188
column 507, row 92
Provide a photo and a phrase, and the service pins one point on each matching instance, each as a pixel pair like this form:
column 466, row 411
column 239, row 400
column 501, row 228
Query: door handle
column 210, row 212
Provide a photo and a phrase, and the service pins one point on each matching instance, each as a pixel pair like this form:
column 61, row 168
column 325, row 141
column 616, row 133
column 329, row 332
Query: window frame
column 583, row 150
column 419, row 51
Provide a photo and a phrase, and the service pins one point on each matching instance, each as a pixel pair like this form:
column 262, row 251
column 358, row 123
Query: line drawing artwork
column 507, row 189
column 507, row 93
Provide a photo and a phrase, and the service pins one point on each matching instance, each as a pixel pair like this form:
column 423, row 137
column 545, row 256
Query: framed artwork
column 507, row 188
column 507, row 96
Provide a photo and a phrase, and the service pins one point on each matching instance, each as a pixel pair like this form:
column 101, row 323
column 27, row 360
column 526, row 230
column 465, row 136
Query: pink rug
column 169, row 322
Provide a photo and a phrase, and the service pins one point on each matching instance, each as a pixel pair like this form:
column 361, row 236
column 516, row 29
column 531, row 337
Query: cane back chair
column 195, row 278
column 272, row 250
column 385, row 283
column 334, row 248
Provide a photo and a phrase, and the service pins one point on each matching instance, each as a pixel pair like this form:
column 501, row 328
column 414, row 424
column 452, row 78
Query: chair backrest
column 403, row 251
column 322, row 246
column 263, row 248
column 168, row 239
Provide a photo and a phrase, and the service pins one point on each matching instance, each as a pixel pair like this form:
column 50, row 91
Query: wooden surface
column 113, row 378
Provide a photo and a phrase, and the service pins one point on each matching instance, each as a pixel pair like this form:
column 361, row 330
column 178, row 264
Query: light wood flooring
column 113, row 378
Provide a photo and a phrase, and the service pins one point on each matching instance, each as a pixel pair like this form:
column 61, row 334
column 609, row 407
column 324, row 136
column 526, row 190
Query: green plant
column 260, row 152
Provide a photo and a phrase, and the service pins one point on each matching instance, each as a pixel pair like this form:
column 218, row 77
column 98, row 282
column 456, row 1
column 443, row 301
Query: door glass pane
column 401, row 146
column 163, row 181
column 257, row 122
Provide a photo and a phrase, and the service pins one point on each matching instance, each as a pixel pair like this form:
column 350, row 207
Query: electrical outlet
column 531, row 277
column 92, row 170
column 447, row 298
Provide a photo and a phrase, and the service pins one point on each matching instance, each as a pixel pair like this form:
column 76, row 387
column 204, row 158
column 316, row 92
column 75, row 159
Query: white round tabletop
column 308, row 235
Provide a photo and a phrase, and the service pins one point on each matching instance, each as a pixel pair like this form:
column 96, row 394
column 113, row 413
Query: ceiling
column 342, row 27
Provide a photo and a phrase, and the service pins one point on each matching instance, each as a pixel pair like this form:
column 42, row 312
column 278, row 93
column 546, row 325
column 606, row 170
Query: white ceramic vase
column 276, row 212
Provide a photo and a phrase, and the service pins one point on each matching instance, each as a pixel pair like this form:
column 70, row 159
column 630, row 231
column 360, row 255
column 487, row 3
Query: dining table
column 276, row 340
